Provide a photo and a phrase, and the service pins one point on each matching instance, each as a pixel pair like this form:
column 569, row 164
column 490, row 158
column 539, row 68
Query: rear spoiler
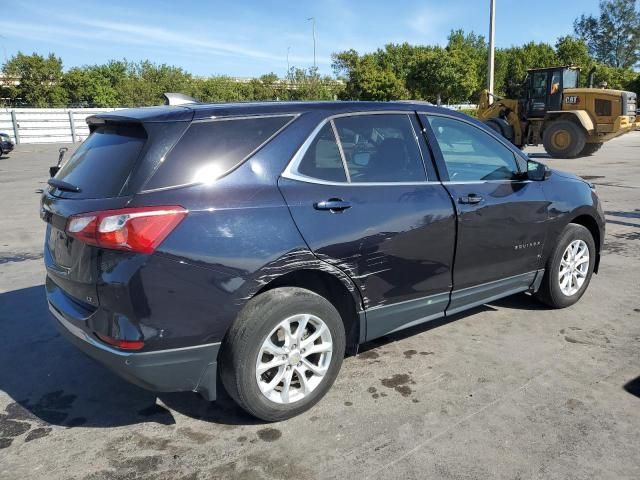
column 143, row 115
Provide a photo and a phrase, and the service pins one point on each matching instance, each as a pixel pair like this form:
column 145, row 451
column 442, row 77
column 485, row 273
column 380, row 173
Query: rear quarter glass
column 104, row 161
column 210, row 149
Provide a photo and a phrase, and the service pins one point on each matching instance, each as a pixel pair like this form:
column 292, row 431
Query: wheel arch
column 579, row 117
column 346, row 299
column 590, row 223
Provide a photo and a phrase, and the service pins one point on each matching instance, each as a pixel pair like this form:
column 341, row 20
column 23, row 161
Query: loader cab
column 544, row 87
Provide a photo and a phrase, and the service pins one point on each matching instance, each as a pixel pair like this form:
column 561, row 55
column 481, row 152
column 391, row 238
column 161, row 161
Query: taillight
column 122, row 344
column 139, row 229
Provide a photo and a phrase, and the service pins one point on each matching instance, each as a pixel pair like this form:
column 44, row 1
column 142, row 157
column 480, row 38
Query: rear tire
column 590, row 149
column 557, row 290
column 247, row 348
column 563, row 139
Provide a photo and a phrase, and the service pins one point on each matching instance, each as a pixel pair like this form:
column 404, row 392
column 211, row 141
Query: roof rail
column 419, row 102
column 178, row 99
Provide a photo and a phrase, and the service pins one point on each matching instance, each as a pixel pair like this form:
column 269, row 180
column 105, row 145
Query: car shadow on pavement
column 49, row 381
column 633, row 387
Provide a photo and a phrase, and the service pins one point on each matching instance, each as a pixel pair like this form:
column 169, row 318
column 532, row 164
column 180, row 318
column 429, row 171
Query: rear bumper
column 175, row 370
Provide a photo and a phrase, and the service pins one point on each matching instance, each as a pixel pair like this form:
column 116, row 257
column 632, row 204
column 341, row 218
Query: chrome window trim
column 480, row 182
column 317, row 181
column 225, row 118
column 291, row 170
column 343, row 158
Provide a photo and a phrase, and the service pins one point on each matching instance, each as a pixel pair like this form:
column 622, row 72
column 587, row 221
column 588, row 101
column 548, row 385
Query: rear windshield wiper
column 62, row 185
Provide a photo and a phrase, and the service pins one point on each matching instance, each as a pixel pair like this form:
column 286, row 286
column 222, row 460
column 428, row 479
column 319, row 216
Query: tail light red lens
column 121, row 344
column 139, row 229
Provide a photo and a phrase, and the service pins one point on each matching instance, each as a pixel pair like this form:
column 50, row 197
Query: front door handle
column 471, row 199
column 334, row 205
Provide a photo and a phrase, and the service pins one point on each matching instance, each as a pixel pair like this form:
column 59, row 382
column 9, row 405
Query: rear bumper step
column 175, row 370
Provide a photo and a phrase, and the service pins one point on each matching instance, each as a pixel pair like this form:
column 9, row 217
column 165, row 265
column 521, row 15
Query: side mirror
column 537, row 171
column 53, row 170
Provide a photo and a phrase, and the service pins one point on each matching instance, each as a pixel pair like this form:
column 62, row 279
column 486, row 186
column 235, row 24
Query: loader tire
column 564, row 139
column 590, row 149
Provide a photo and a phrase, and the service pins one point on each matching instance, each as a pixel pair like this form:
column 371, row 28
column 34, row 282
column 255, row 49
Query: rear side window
column 102, row 164
column 210, row 149
column 380, row 148
column 322, row 159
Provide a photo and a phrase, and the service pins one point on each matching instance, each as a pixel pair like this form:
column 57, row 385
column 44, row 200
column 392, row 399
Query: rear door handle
column 471, row 199
column 334, row 205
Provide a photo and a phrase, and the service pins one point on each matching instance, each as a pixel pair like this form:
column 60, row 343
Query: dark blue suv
column 258, row 243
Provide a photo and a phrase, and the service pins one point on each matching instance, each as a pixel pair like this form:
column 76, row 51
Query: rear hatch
column 92, row 179
column 103, row 174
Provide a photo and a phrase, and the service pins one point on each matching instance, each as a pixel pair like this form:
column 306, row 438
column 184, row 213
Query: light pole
column 492, row 53
column 313, row 20
column 288, row 68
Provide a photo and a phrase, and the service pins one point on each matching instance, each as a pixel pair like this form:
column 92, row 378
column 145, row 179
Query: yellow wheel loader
column 569, row 121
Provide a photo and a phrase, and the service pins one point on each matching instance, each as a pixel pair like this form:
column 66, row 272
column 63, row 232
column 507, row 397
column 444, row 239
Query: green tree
column 616, row 78
column 366, row 78
column 445, row 76
column 218, row 89
column 145, row 83
column 472, row 51
column 40, row 80
column 307, row 84
column 89, row 86
column 613, row 37
column 512, row 64
column 572, row 51
column 375, row 83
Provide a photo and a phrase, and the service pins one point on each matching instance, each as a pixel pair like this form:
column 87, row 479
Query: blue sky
column 249, row 38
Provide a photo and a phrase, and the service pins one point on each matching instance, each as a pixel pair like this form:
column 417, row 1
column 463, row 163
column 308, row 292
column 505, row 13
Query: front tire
column 282, row 353
column 563, row 139
column 569, row 268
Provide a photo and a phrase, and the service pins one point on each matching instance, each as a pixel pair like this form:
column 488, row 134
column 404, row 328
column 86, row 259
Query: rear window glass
column 210, row 149
column 102, row 164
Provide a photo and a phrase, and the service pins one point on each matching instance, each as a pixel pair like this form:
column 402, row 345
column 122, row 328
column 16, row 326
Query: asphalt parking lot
column 508, row 390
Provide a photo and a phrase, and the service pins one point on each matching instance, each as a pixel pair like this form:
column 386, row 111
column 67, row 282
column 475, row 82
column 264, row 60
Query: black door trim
column 470, row 297
column 386, row 319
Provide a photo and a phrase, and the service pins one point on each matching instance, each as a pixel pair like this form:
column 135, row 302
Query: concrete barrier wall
column 47, row 125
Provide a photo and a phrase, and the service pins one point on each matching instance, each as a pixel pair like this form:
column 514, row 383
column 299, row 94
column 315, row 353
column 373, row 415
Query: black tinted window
column 380, row 148
column 210, row 149
column 322, row 159
column 472, row 154
column 102, row 164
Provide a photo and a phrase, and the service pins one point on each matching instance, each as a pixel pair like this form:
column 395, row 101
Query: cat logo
column 572, row 99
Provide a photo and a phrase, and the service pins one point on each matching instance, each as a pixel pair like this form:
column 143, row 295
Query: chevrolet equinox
column 257, row 243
